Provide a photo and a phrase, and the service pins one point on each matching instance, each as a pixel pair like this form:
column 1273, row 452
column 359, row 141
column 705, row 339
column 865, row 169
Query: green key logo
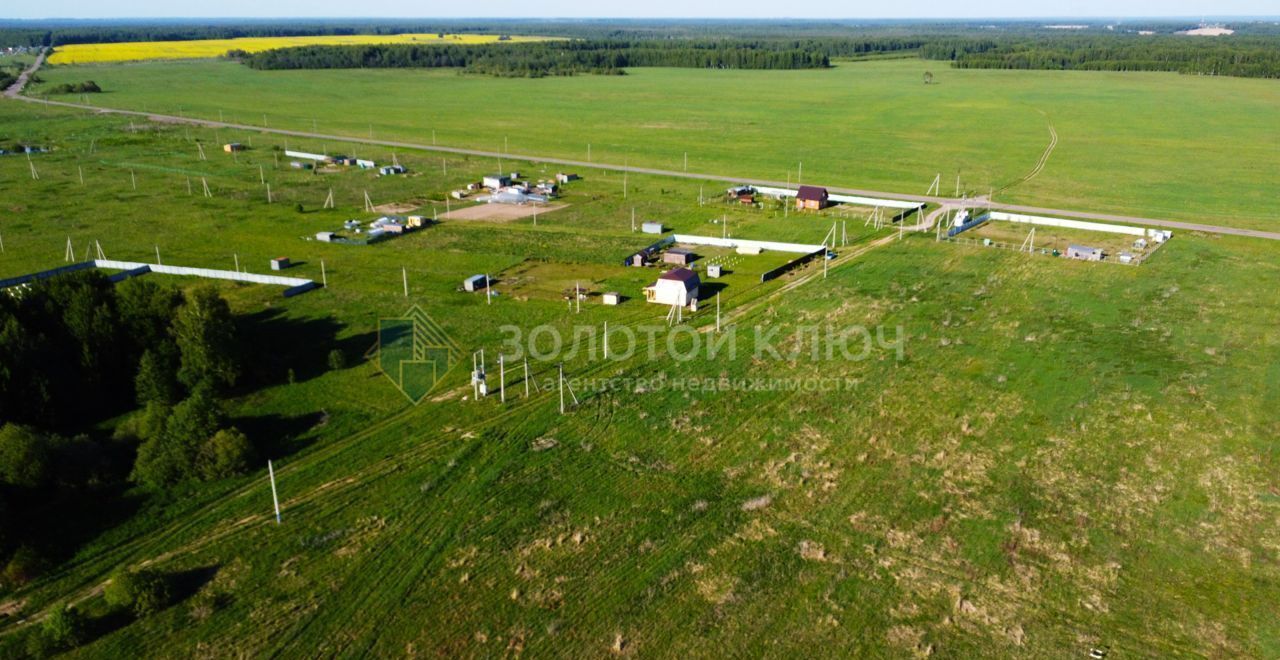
column 415, row 352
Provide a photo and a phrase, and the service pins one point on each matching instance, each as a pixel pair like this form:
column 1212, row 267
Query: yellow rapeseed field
column 171, row 50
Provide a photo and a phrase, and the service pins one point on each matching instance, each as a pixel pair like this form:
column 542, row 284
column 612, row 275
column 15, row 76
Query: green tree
column 226, row 454
column 24, row 457
column 157, row 380
column 206, row 336
column 22, row 567
column 171, row 456
column 64, row 628
column 143, row 592
column 147, row 310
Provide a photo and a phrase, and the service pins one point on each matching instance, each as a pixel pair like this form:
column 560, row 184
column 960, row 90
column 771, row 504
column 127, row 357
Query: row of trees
column 1257, row 56
column 1252, row 57
column 78, row 350
column 543, row 58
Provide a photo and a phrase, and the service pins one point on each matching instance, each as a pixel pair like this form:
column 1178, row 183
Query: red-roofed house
column 812, row 198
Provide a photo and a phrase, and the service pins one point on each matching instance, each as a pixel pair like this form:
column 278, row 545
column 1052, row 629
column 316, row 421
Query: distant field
column 1147, row 144
column 203, row 48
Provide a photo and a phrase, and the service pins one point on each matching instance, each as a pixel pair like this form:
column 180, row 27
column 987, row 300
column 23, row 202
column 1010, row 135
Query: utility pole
column 502, row 379
column 324, row 279
column 404, row 274
column 275, row 498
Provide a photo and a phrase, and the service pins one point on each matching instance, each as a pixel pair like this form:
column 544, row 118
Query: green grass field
column 1144, row 144
column 1066, row 455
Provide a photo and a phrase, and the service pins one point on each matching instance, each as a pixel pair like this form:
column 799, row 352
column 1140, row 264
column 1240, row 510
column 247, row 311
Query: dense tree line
column 78, row 350
column 545, row 58
column 1253, row 57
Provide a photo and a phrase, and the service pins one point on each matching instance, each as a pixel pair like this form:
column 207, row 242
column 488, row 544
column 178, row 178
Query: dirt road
column 16, row 88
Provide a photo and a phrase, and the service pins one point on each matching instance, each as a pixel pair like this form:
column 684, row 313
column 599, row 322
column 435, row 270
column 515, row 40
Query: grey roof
column 679, row 250
column 1084, row 248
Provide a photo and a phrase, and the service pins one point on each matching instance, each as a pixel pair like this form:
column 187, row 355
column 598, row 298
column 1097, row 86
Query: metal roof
column 812, row 193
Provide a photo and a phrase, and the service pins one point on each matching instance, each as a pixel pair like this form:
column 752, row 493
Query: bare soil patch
column 398, row 207
column 501, row 212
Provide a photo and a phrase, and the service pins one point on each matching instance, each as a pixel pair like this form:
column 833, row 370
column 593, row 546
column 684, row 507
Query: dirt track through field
column 1044, row 159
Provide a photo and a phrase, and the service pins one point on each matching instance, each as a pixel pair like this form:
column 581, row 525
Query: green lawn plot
column 1061, row 456
column 1159, row 145
column 1013, row 235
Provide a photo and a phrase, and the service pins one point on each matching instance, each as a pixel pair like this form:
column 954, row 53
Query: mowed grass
column 206, row 48
column 1145, row 144
column 1066, row 455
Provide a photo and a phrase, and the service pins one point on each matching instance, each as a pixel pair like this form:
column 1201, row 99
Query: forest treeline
column 1254, row 57
column 1249, row 57
column 539, row 59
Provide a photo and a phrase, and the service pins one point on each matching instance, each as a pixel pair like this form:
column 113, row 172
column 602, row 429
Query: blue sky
column 633, row 8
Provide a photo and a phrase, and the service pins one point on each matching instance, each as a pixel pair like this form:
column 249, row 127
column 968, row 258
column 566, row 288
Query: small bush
column 226, row 454
column 24, row 566
column 143, row 592
column 337, row 359
column 64, row 629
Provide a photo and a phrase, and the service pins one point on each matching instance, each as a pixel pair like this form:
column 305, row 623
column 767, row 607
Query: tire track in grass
column 1040, row 164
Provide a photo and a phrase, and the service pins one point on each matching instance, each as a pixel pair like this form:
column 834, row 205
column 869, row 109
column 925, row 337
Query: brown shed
column 678, row 256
